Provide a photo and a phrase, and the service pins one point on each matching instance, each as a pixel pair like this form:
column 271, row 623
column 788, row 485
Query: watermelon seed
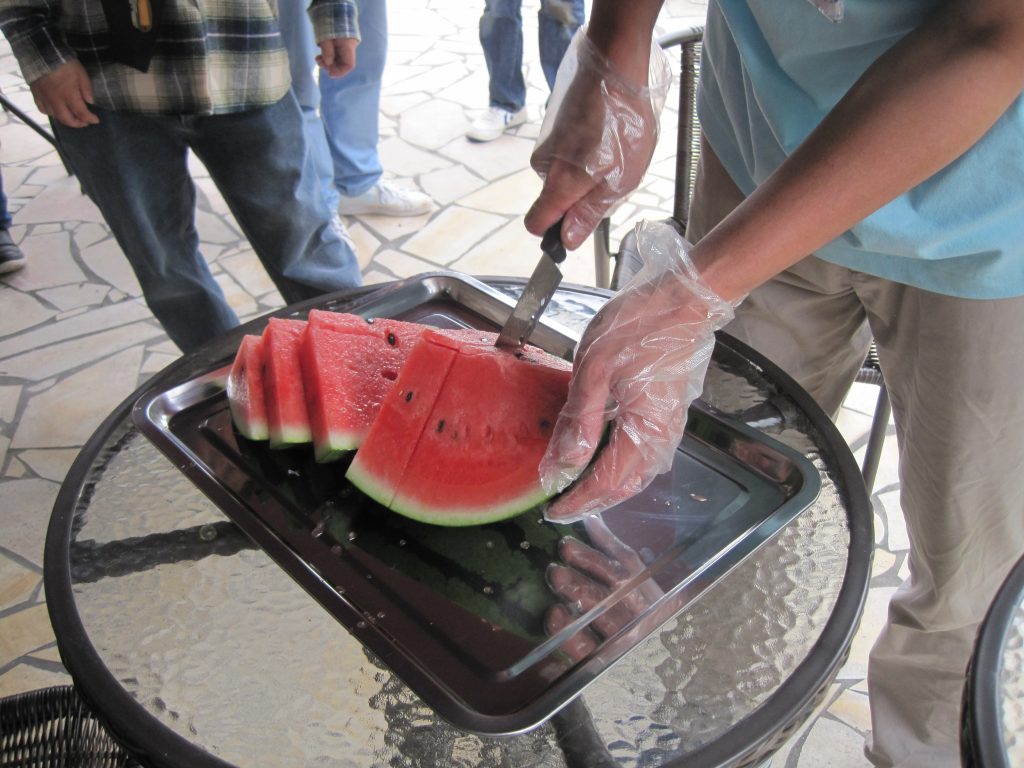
column 351, row 536
column 318, row 529
column 440, row 426
column 369, row 321
column 545, row 425
column 391, row 339
column 408, row 396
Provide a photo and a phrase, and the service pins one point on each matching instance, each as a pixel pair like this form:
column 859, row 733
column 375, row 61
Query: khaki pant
column 954, row 369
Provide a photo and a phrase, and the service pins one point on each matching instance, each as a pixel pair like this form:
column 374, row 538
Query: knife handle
column 551, row 243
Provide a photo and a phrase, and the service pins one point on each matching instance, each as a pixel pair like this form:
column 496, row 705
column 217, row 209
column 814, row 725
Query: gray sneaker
column 386, row 199
column 11, row 257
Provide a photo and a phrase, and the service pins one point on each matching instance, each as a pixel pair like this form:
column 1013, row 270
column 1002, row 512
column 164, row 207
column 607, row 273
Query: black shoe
column 11, row 257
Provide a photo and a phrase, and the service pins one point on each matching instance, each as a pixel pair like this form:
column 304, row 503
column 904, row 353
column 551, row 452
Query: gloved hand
column 597, row 139
column 640, row 364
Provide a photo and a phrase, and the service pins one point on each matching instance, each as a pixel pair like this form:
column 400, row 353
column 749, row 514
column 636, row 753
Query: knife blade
column 538, row 291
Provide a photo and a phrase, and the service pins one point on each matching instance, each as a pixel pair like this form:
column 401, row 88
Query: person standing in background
column 130, row 97
column 342, row 115
column 501, row 36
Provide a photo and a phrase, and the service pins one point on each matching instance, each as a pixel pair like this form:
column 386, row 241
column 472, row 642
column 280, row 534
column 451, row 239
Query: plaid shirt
column 211, row 57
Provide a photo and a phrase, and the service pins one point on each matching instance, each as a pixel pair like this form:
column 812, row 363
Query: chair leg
column 876, row 437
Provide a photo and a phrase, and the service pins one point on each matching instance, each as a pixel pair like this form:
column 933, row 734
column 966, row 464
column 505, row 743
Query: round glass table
column 196, row 648
column 993, row 711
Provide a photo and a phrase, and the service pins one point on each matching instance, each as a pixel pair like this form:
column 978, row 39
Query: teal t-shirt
column 772, row 69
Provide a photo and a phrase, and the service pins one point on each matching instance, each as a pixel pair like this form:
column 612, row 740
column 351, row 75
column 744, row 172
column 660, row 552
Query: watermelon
column 345, row 377
column 245, row 389
column 460, row 435
column 287, row 417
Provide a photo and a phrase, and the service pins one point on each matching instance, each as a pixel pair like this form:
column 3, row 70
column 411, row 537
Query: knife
column 538, row 291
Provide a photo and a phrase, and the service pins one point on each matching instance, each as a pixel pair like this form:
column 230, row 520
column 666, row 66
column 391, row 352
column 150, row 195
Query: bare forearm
column 918, row 108
column 622, row 31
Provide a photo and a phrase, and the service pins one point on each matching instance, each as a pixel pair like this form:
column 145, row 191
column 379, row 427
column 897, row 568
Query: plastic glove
column 640, row 364
column 598, row 138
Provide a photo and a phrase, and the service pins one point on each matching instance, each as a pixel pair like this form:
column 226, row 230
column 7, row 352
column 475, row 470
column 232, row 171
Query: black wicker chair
column 53, row 728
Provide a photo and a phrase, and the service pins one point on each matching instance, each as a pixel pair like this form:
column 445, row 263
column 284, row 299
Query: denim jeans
column 501, row 36
column 349, row 106
column 135, row 168
column 5, row 216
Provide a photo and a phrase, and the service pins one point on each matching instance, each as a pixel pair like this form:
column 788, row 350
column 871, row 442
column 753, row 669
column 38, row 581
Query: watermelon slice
column 346, row 376
column 245, row 390
column 287, row 418
column 459, row 437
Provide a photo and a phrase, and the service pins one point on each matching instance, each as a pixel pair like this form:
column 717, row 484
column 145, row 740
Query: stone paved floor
column 75, row 337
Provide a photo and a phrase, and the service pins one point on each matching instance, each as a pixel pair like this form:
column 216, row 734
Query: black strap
column 133, row 25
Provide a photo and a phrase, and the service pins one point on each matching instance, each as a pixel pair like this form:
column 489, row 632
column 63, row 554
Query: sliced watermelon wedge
column 287, row 417
column 459, row 438
column 346, row 376
column 245, row 390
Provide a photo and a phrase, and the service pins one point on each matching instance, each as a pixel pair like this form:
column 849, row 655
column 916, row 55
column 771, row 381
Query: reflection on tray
column 459, row 613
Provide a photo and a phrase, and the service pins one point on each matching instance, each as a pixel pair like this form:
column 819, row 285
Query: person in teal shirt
column 861, row 176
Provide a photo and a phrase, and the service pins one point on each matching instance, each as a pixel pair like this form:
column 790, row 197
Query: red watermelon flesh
column 346, row 376
column 459, row 438
column 245, row 389
column 287, row 416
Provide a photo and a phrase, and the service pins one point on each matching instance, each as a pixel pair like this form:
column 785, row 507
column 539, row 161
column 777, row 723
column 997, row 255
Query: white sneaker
column 387, row 199
column 494, row 122
column 342, row 231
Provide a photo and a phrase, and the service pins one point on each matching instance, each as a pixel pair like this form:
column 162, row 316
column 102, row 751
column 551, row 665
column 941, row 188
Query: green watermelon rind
column 444, row 516
column 338, row 446
column 252, row 429
column 288, row 437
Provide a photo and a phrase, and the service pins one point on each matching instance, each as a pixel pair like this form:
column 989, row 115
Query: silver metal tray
column 458, row 614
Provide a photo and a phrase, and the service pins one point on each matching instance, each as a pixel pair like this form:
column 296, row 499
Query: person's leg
column 5, row 216
column 808, row 319
column 501, row 37
column 271, row 187
column 557, row 22
column 350, row 106
column 11, row 257
column 297, row 32
column 953, row 368
column 134, row 168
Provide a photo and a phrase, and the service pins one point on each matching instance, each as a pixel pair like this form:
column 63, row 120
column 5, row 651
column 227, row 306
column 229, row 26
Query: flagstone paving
column 76, row 337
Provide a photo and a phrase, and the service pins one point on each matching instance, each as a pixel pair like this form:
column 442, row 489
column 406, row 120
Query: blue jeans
column 135, row 168
column 501, row 36
column 5, row 216
column 349, row 123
